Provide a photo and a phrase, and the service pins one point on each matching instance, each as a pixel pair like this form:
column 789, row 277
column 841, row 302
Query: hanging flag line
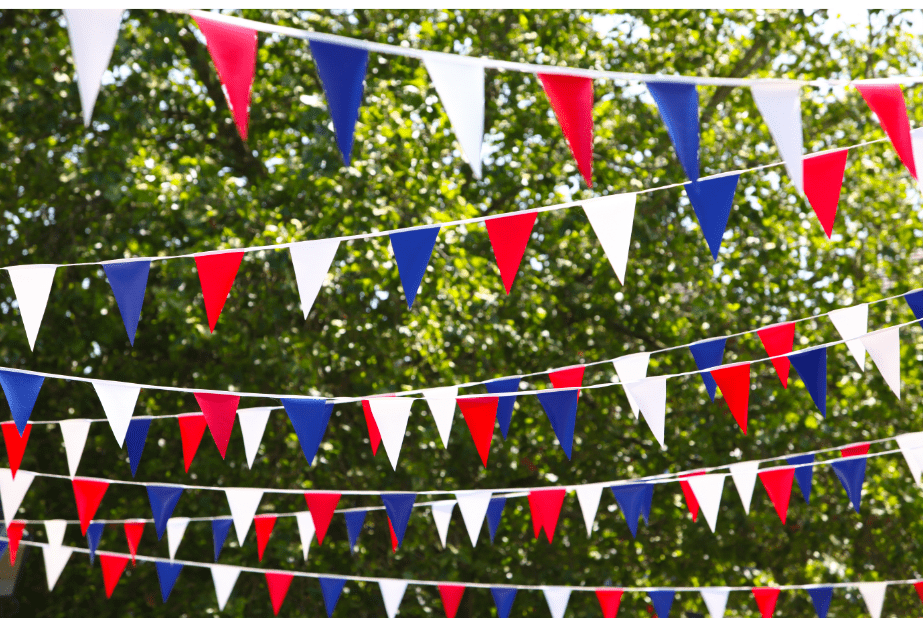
column 153, row 418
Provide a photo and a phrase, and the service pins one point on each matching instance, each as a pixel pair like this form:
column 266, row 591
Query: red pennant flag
column 509, row 237
column 855, row 450
column 15, row 444
column 779, row 339
column 14, row 535
column 691, row 502
column 481, row 415
column 264, row 525
column 278, row 584
column 734, row 382
column 216, row 274
column 113, row 567
column 887, row 101
column 609, row 601
column 374, row 433
column 766, row 600
column 451, row 598
column 572, row 101
column 133, row 532
column 568, row 378
column 919, row 588
column 778, row 484
column 191, row 430
column 394, row 542
column 545, row 505
column 233, row 50
column 219, row 411
column 321, row 505
column 88, row 493
column 823, row 179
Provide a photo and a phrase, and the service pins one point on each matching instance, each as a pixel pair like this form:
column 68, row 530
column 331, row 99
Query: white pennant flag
column 312, row 260
column 253, row 426
column 441, row 402
column 391, row 415
column 651, row 395
column 744, row 475
column 780, row 106
column 75, row 433
column 243, row 502
column 56, row 558
column 224, row 577
column 473, row 506
column 305, row 531
column 612, row 218
column 93, row 33
column 916, row 145
column 176, row 529
column 392, row 593
column 853, row 322
column 119, row 404
column 442, row 515
column 707, row 489
column 12, row 491
column 557, row 598
column 874, row 595
column 884, row 346
column 911, row 446
column 716, row 600
column 32, row 285
column 460, row 84
column 632, row 368
column 54, row 530
column 588, row 496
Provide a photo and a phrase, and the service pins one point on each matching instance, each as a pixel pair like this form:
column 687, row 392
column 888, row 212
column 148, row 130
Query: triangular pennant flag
column 191, row 429
column 176, row 529
column 588, row 496
column 651, row 396
column 441, row 402
column 392, row 593
column 264, row 525
column 94, row 535
column 394, row 542
column 55, row 560
column 354, row 522
column 113, row 567
column 911, row 446
column 220, row 529
column 305, row 531
column 399, row 507
column 716, row 600
column 15, row 443
column 451, row 598
column 88, row 493
column 163, row 499
column 167, row 572
column 480, row 415
column 12, row 491
column 93, row 33
column 612, row 218
column 571, row 98
column 662, row 600
column 631, row 499
column 679, row 108
column 780, row 105
column 310, row 418
column 509, row 236
column 503, row 599
column 54, row 531
column 811, row 366
column 734, row 382
column 342, row 73
column 473, row 506
column 820, row 598
column 852, row 472
column 779, row 339
column 32, row 285
column 252, row 426
column 803, row 474
column 851, row 323
column 823, row 180
column 278, row 585
column 331, row 587
column 374, row 432
column 571, row 377
column 312, row 260
column 220, row 411
column 546, row 508
column 442, row 515
column 459, row 82
column 887, row 101
column 14, row 536
column 632, row 368
column 915, row 300
column 778, row 484
column 561, row 409
column 133, row 532
column 557, row 598
column 128, row 281
column 609, row 601
column 708, row 489
column 118, row 401
column 708, row 354
column 691, row 502
column 135, row 439
column 75, row 432
column 505, row 405
column 766, row 600
column 233, row 50
column 884, row 346
column 873, row 593
column 712, row 201
column 216, row 275
column 391, row 416
column 21, row 391
column 243, row 502
column 494, row 515
column 224, row 577
column 322, row 504
column 412, row 251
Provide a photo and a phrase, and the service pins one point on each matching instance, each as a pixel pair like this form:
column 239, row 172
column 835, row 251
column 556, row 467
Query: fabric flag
column 609, row 601
column 21, row 391
column 480, row 415
column 128, row 281
column 399, row 507
column 14, row 535
column 32, row 285
column 220, row 411
column 263, row 525
column 54, row 531
column 412, row 251
column 588, row 496
column 278, row 585
column 216, row 275
column 167, row 572
column 191, row 429
column 712, row 201
column 852, row 472
column 873, row 593
column 691, row 502
column 442, row 515
column 651, row 395
column 135, row 439
column 632, row 368
column 572, row 100
column 163, row 499
column 354, row 522
column 113, row 567
column 766, row 600
column 494, row 515
column 679, row 108
column 374, row 432
column 505, row 405
column 708, row 354
column 75, row 432
column 662, row 600
column 225, row 577
column 93, row 33
column 734, row 382
column 392, row 593
column 473, row 506
column 94, row 535
column 394, row 542
column 887, row 101
column 778, row 484
column 911, row 446
column 118, row 401
column 884, row 346
column 252, row 426
column 459, row 81
column 571, row 377
column 612, row 218
column 312, row 261
column 331, row 587
column 220, row 529
column 451, row 598
column 509, row 236
column 55, row 560
column 716, row 600
column 545, row 505
column 305, row 531
column 243, row 502
column 322, row 504
column 391, row 416
column 852, row 323
column 780, row 106
column 233, row 50
column 915, row 302
column 503, row 599
column 803, row 474
column 88, row 493
column 441, row 402
column 310, row 418
column 811, row 365
column 133, row 532
column 820, row 598
column 779, row 339
column 176, row 529
column 708, row 489
column 557, row 598
column 15, row 443
column 342, row 73
column 823, row 180
column 12, row 491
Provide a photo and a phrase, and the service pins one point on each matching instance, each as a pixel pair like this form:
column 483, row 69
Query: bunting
column 135, row 440
column 811, row 365
column 503, row 600
column 176, row 529
column 612, row 218
column 15, row 443
column 873, row 593
column 75, row 432
column 679, row 107
column 561, row 409
column 473, row 506
column 321, row 505
column 662, row 600
column 278, row 585
column 609, row 601
column 392, row 593
column 509, row 236
column 494, row 515
column 546, row 506
column 589, row 496
column 399, row 507
column 505, row 404
column 21, row 391
column 712, row 201
column 191, row 429
column 354, row 522
column 734, row 382
column 167, row 573
column 820, row 598
column 220, row 529
column 884, row 347
column 634, row 500
column 133, row 532
column 651, row 395
column 441, row 402
column 263, row 525
column 391, row 416
column 219, row 411
column 708, row 489
column 163, row 499
column 113, row 566
column 94, row 535
column 708, row 354
column 459, row 81
column 312, row 261
column 804, row 474
column 252, row 426
column 310, row 418
column 217, row 272
column 442, row 515
column 716, row 600
column 778, row 340
column 412, row 252
column 93, row 33
column 823, row 181
column 480, row 415
column 55, row 560
column 780, row 105
column 572, row 100
column 243, row 502
column 887, row 102
column 852, row 323
column 451, row 598
column 88, row 493
column 632, row 368
column 766, row 600
column 778, row 484
column 851, row 472
column 306, row 531
column 342, row 72
column 224, row 577
column 118, row 401
column 557, row 598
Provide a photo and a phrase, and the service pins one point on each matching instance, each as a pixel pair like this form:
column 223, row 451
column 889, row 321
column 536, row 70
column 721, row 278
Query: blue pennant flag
column 812, row 367
column 852, row 474
column 647, row 499
column 167, row 572
column 3, row 546
column 505, row 406
column 128, row 281
column 915, row 302
column 342, row 73
column 708, row 354
column 503, row 599
column 412, row 250
column 354, row 522
column 494, row 514
column 803, row 474
column 310, row 418
column 662, row 601
column 21, row 390
column 821, row 597
column 561, row 409
column 135, row 439
column 679, row 108
column 634, row 500
column 163, row 499
column 94, row 535
column 712, row 200
column 399, row 507
column 220, row 529
column 331, row 587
